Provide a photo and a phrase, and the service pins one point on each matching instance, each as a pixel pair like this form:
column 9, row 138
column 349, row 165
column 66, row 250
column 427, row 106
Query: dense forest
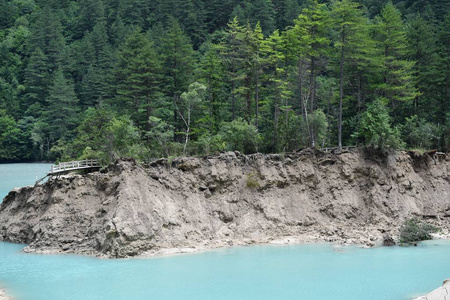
column 152, row 78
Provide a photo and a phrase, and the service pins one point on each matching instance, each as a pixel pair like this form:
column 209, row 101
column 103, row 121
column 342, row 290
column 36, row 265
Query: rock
column 441, row 293
column 388, row 241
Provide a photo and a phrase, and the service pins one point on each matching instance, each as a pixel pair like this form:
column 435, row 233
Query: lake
column 18, row 175
column 319, row 271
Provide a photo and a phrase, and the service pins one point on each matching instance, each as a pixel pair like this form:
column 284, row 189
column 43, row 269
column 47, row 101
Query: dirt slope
column 198, row 203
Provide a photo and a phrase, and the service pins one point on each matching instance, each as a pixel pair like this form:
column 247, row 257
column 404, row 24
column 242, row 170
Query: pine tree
column 423, row 49
column 36, row 79
column 192, row 18
column 96, row 82
column 78, row 58
column 351, row 45
column 46, row 34
column 62, row 109
column 138, row 79
column 136, row 12
column 311, row 28
column 91, row 12
column 257, row 11
column 218, row 13
column 247, row 74
column 232, row 45
column 212, row 71
column 445, row 54
column 8, row 12
column 258, row 67
column 398, row 80
column 178, row 56
column 276, row 86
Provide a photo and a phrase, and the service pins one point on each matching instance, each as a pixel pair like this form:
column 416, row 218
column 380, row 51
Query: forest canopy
column 154, row 78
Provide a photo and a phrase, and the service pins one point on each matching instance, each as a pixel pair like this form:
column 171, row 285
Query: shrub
column 252, row 181
column 420, row 134
column 241, row 136
column 414, row 230
column 207, row 144
column 375, row 128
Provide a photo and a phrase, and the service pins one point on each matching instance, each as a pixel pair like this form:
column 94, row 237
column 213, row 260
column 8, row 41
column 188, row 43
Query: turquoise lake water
column 18, row 175
column 256, row 272
column 304, row 272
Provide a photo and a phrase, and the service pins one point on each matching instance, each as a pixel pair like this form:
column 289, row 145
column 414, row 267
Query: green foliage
column 241, row 136
column 161, row 133
column 420, row 134
column 257, row 11
column 352, row 44
column 275, row 76
column 62, row 107
column 317, row 125
column 37, row 78
column 104, row 135
column 122, row 140
column 12, row 147
column 398, row 80
column 414, row 230
column 139, row 77
column 209, row 144
column 375, row 128
column 190, row 101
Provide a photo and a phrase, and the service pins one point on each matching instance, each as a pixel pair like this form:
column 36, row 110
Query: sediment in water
column 229, row 199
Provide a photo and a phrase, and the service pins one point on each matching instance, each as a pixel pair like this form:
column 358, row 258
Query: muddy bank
column 3, row 295
column 193, row 204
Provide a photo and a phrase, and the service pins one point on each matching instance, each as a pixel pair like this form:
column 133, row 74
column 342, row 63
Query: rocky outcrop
column 388, row 241
column 441, row 293
column 197, row 203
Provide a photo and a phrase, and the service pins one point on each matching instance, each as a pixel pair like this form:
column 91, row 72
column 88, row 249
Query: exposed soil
column 191, row 204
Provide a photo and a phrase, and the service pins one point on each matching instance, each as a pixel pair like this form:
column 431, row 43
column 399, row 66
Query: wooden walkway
column 66, row 167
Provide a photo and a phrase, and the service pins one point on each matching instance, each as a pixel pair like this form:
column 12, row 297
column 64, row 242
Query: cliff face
column 227, row 199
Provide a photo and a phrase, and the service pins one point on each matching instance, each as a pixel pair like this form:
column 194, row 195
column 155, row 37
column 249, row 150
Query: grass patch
column 252, row 181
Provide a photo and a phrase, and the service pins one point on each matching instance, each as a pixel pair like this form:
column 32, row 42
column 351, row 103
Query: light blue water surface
column 18, row 175
column 256, row 272
column 304, row 272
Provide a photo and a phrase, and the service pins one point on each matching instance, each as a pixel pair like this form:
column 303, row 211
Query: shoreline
column 310, row 237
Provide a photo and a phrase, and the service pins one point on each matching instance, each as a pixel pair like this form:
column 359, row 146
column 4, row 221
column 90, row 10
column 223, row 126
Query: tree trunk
column 359, row 104
column 300, row 87
column 275, row 125
column 257, row 99
column 312, row 84
column 233, row 95
column 341, row 91
column 248, row 99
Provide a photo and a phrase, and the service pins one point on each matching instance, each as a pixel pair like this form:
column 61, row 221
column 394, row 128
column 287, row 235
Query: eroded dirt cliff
column 198, row 203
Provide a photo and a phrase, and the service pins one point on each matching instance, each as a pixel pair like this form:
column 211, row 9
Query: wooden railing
column 334, row 149
column 74, row 165
column 71, row 166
